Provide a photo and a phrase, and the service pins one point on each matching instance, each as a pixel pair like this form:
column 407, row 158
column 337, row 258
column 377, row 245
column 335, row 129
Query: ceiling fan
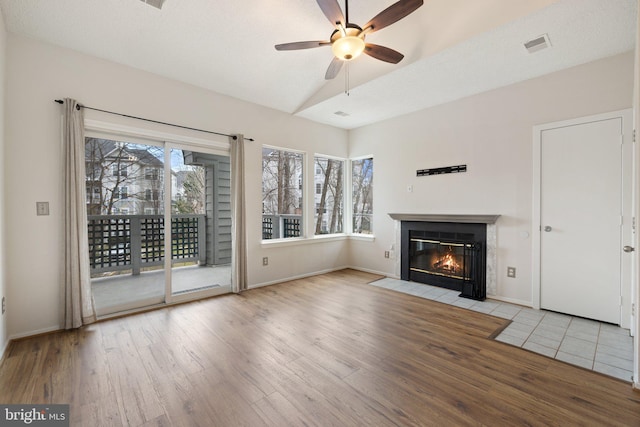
column 347, row 40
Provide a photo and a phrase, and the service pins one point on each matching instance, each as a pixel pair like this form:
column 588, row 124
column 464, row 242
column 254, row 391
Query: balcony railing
column 133, row 242
column 281, row 226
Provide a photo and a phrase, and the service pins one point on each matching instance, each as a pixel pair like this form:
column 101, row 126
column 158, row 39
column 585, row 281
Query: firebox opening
column 449, row 255
column 447, row 259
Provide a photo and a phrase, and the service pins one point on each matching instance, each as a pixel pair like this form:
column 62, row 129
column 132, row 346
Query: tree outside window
column 362, row 195
column 117, row 177
column 282, row 178
column 329, row 199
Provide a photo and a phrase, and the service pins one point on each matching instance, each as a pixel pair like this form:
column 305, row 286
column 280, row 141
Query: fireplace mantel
column 477, row 219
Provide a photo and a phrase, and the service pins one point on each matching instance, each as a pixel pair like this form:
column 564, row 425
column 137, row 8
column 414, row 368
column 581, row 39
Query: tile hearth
column 593, row 345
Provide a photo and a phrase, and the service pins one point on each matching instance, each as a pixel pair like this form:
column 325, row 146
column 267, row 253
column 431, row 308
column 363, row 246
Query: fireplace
column 448, row 251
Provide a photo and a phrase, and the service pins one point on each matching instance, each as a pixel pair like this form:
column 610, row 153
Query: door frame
column 215, row 144
column 629, row 193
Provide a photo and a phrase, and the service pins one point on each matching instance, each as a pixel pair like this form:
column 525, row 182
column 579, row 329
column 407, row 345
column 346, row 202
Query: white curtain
column 77, row 304
column 238, row 214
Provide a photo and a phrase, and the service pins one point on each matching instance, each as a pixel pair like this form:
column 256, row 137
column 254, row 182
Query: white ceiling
column 453, row 48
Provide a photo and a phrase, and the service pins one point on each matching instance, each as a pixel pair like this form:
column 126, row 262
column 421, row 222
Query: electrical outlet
column 42, row 208
column 511, row 272
column 386, row 254
column 4, row 305
column 265, row 260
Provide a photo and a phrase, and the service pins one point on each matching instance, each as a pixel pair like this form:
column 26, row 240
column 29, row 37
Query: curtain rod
column 79, row 106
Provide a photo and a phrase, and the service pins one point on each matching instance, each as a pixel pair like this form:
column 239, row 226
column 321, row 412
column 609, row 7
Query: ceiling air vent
column 538, row 43
column 341, row 114
column 155, row 3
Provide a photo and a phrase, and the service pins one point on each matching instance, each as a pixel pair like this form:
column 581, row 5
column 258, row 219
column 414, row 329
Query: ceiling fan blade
column 392, row 14
column 332, row 11
column 383, row 53
column 334, row 68
column 301, row 45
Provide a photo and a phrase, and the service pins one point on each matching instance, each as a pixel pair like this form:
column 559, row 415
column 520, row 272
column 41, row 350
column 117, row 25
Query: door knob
column 547, row 228
column 628, row 248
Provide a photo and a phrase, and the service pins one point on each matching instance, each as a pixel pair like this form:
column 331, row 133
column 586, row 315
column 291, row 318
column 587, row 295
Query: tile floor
column 601, row 347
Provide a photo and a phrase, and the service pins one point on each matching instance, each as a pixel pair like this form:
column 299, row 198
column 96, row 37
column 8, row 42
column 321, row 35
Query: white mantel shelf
column 475, row 219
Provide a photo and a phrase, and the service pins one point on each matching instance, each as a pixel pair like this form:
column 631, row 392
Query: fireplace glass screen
column 441, row 258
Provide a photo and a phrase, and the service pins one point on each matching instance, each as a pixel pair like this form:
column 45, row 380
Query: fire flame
column 447, row 263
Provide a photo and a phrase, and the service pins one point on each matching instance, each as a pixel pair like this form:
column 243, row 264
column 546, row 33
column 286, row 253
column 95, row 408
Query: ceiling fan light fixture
column 347, row 48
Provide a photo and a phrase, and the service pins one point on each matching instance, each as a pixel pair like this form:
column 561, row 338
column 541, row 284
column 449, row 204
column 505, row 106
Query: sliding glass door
column 200, row 222
column 135, row 188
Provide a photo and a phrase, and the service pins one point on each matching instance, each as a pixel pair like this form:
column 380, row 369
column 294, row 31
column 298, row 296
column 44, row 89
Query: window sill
column 363, row 237
column 293, row 241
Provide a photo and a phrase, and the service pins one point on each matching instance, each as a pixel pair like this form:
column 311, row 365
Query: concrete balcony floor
column 125, row 291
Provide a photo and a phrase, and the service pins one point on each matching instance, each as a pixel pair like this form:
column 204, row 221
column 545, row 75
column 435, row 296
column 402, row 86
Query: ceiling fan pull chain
column 346, row 79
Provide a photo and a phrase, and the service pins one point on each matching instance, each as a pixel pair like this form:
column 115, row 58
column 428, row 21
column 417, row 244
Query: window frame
column 350, row 230
column 314, row 169
column 300, row 185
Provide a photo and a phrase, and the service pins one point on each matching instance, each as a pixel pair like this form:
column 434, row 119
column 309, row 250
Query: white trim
column 200, row 294
column 363, row 237
column 327, row 156
column 322, row 238
column 300, row 276
column 313, row 194
column 348, row 209
column 380, row 273
column 366, row 156
column 462, row 218
column 36, row 332
column 307, row 186
column 511, row 301
column 168, row 237
column 626, row 289
column 4, row 351
column 293, row 241
column 99, row 128
column 168, row 142
column 290, row 150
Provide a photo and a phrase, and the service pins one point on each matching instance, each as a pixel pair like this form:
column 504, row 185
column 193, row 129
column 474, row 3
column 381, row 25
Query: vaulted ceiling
column 452, row 48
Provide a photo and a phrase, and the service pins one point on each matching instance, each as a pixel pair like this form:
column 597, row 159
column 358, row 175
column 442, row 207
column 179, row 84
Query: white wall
column 3, row 246
column 492, row 134
column 37, row 74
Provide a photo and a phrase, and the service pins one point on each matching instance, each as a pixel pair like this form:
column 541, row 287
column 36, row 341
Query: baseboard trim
column 301, row 276
column 510, row 300
column 4, row 351
column 35, row 333
column 379, row 273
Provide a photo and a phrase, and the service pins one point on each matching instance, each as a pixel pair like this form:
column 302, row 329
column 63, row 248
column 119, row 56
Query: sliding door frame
column 217, row 145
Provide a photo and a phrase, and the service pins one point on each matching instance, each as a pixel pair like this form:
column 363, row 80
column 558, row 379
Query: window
column 124, row 192
column 329, row 200
column 151, row 174
column 151, row 195
column 93, row 193
column 282, row 178
column 119, row 170
column 362, row 195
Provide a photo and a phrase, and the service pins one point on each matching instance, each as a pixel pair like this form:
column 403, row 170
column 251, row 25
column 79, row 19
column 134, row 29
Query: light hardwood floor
column 326, row 350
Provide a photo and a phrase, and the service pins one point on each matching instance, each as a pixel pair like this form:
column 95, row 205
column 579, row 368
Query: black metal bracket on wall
column 441, row 171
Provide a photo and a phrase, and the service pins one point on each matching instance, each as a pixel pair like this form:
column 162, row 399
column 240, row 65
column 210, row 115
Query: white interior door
column 581, row 219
